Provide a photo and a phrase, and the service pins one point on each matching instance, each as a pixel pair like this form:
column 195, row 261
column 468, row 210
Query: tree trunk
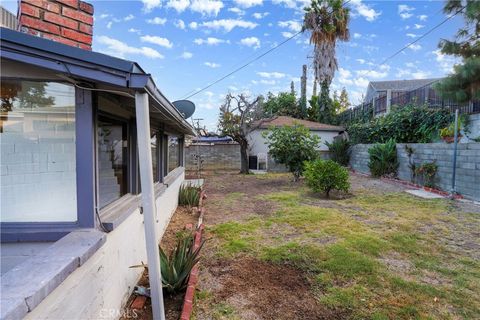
column 244, row 158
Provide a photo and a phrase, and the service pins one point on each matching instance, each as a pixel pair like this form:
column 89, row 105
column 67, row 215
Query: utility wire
column 248, row 63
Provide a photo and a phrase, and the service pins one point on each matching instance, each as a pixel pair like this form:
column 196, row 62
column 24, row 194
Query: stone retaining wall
column 468, row 164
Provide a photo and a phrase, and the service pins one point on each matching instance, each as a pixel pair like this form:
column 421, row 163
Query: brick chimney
column 66, row 21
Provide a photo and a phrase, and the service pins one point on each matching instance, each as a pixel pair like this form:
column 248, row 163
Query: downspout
column 148, row 203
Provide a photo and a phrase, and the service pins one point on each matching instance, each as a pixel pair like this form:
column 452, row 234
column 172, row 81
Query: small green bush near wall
column 383, row 159
column 325, row 176
column 339, row 151
column 189, row 195
column 410, row 124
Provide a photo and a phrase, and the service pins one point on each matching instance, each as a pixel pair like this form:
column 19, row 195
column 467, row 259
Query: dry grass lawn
column 277, row 251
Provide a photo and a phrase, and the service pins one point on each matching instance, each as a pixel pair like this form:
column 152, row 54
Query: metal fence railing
column 425, row 95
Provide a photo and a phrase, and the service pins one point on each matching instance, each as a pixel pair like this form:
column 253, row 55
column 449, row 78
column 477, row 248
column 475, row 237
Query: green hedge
column 410, row 124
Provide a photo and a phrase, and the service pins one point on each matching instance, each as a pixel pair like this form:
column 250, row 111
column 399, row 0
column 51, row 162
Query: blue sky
column 187, row 44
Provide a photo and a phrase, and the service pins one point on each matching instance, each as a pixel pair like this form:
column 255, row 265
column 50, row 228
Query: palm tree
column 327, row 20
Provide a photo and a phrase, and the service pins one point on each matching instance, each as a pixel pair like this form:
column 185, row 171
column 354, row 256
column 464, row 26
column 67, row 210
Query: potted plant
column 448, row 133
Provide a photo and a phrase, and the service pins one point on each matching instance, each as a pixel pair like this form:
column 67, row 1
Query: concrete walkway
column 424, row 194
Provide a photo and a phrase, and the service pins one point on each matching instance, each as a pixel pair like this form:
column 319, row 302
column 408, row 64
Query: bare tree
column 239, row 117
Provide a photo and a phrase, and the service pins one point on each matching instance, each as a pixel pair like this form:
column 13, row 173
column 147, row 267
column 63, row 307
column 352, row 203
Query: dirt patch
column 261, row 290
column 180, row 219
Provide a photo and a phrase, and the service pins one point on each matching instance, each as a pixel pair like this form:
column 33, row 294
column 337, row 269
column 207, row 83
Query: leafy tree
column 239, row 117
column 292, row 146
column 283, row 104
column 34, row 95
column 325, row 176
column 313, row 110
column 344, row 103
column 326, row 113
column 327, row 21
column 464, row 83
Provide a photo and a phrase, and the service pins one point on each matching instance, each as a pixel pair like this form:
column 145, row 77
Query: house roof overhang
column 80, row 65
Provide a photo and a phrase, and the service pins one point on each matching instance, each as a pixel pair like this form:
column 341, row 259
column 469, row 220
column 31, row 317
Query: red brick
column 77, row 15
column 138, row 303
column 186, row 311
column 77, row 36
column 62, row 21
column 85, row 46
column 61, row 40
column 29, row 10
column 50, row 6
column 189, row 294
column 37, row 3
column 37, row 24
column 70, row 3
column 85, row 28
column 87, row 7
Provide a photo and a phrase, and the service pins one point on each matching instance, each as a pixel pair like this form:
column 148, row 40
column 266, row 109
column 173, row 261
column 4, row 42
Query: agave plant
column 177, row 266
column 189, row 195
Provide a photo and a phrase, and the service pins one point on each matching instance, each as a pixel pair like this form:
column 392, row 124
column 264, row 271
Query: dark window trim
column 85, row 185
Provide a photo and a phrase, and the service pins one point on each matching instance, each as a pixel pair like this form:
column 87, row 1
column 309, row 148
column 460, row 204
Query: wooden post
column 148, row 203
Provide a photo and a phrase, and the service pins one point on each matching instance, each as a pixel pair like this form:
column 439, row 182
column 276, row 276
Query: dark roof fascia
column 85, row 64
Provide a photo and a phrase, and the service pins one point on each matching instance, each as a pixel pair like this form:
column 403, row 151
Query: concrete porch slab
column 424, row 194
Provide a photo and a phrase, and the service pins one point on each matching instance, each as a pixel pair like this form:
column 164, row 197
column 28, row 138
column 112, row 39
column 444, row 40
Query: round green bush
column 325, row 176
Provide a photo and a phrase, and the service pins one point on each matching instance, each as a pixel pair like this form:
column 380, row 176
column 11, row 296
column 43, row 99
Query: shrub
column 325, row 176
column 383, row 159
column 428, row 170
column 177, row 266
column 339, row 151
column 189, row 195
column 409, row 124
column 292, row 146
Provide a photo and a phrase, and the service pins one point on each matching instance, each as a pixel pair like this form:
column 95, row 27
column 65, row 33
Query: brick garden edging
column 193, row 280
column 410, row 184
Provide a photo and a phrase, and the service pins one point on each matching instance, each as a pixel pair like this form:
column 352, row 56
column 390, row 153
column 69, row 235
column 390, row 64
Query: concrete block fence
column 214, row 156
column 468, row 164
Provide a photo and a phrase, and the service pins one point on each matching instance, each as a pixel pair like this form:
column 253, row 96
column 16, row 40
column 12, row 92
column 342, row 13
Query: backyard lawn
column 277, row 251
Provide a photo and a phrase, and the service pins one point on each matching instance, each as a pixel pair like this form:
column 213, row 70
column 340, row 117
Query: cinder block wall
column 468, row 164
column 215, row 157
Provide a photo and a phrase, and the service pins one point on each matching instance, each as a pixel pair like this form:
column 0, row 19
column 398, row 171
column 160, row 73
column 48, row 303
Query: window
column 154, row 147
column 112, row 157
column 173, row 153
column 37, row 144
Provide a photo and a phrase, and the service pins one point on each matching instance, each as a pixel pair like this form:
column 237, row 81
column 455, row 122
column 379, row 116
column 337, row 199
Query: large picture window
column 173, row 152
column 112, row 160
column 37, row 148
column 154, row 148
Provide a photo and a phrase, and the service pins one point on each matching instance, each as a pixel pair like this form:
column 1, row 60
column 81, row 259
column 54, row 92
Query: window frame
column 85, row 162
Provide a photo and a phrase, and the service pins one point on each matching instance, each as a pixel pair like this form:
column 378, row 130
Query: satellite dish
column 186, row 107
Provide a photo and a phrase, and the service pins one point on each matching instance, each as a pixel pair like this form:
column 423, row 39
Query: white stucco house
column 258, row 148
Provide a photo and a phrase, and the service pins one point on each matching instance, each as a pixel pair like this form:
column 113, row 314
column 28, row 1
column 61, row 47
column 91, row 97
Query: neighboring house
column 258, row 148
column 381, row 93
column 76, row 128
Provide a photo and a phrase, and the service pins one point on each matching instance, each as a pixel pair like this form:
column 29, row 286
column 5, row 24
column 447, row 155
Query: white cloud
column 372, row 74
column 415, row 47
column 411, row 35
column 287, row 3
column 251, row 42
column 268, row 82
column 104, row 15
column 287, row 34
column 109, row 25
column 157, row 20
column 186, row 55
column 344, row 76
column 365, row 11
column 193, row 25
column 210, row 41
column 236, row 10
column 422, row 17
column 361, row 61
column 357, row 35
column 420, row 74
column 248, row 3
column 292, row 25
column 228, row 24
column 121, row 49
column 163, row 42
column 361, row 82
column 259, row 15
column 133, row 30
column 149, row 5
column 274, row 75
column 212, row 64
column 418, row 26
column 129, row 17
column 206, row 7
column 178, row 5
column 444, row 61
column 404, row 11
column 179, row 24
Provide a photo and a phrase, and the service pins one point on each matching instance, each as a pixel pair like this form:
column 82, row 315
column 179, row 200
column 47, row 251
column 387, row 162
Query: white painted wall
column 100, row 288
column 257, row 144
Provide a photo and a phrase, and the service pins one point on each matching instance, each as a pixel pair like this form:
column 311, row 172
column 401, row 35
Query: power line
column 248, row 63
